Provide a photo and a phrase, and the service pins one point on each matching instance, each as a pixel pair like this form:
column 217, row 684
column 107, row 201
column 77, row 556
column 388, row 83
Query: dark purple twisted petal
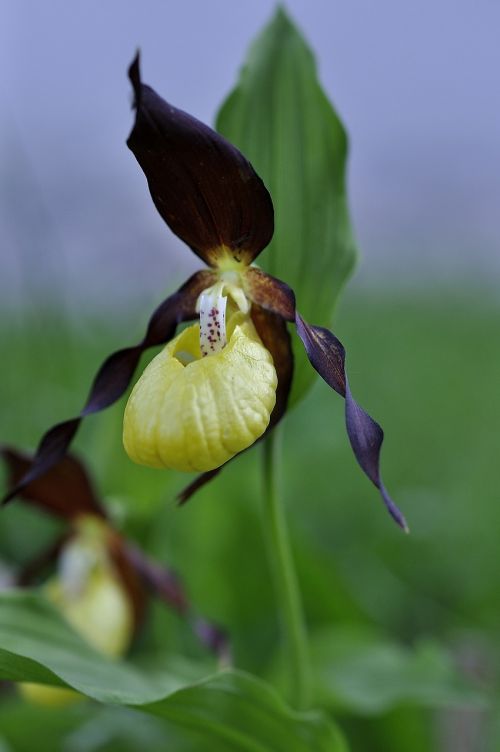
column 327, row 355
column 203, row 187
column 115, row 375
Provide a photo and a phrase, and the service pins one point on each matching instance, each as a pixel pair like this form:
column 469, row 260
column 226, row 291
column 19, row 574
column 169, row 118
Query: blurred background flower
column 99, row 581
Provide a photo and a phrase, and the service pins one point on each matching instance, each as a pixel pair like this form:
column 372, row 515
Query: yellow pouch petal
column 101, row 614
column 193, row 413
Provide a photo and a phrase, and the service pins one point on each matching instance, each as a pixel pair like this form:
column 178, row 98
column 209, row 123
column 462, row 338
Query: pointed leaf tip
column 281, row 16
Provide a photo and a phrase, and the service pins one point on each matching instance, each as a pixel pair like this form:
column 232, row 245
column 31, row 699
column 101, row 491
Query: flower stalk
column 285, row 577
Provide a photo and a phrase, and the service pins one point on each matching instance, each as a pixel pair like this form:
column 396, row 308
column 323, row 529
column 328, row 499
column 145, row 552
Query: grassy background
column 427, row 366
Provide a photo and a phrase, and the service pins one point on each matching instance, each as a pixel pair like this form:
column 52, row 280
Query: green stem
column 285, row 578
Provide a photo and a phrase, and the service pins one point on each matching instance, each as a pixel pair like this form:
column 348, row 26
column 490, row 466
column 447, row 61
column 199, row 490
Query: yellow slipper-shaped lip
column 193, row 413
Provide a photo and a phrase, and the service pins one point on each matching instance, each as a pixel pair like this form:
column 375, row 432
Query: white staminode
column 212, row 321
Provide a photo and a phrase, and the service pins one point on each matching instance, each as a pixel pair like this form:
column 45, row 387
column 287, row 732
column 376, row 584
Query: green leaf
column 230, row 710
column 249, row 715
column 281, row 119
column 22, row 722
column 360, row 672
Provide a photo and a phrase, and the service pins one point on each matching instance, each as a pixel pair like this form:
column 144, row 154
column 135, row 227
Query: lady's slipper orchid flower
column 222, row 383
column 102, row 579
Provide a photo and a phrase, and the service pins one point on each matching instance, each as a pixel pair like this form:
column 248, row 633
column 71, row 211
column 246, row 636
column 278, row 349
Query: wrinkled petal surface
column 196, row 416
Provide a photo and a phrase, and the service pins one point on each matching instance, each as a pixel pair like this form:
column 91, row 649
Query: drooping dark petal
column 165, row 585
column 65, row 490
column 131, row 578
column 366, row 437
column 160, row 580
column 203, row 187
column 327, row 355
column 115, row 375
column 214, row 638
column 270, row 293
column 273, row 332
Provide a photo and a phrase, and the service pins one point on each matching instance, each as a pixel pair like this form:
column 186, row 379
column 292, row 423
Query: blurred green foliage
column 427, row 367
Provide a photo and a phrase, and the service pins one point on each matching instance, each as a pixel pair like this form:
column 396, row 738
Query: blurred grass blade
column 281, row 119
column 226, row 711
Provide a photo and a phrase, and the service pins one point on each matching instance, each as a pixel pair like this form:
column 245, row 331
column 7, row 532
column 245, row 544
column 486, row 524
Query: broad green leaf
column 360, row 672
column 281, row 119
column 230, row 710
column 248, row 715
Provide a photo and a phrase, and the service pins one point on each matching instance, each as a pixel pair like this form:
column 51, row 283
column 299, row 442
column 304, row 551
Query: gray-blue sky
column 416, row 84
